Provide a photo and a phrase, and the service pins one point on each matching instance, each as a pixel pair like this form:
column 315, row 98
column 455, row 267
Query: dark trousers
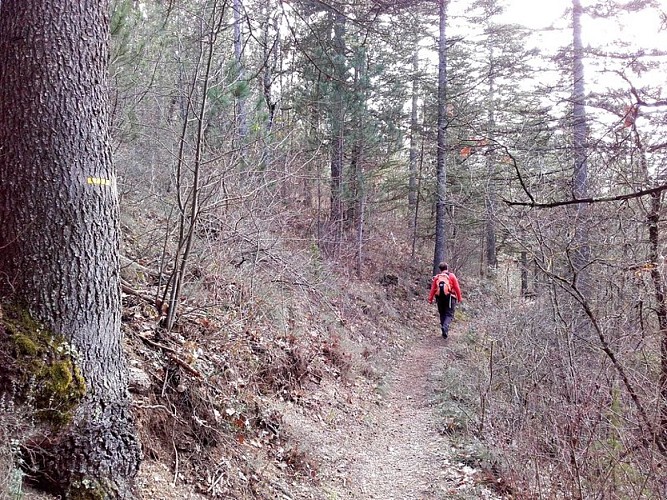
column 446, row 307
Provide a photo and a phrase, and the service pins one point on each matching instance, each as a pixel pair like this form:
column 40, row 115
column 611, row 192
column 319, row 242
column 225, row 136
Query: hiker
column 445, row 288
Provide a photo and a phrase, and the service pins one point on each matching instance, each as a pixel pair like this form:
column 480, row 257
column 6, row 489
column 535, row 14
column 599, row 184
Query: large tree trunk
column 581, row 254
column 440, row 251
column 414, row 130
column 337, row 123
column 241, row 118
column 59, row 222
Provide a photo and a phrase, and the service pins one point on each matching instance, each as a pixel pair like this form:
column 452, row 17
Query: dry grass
column 6, row 466
column 553, row 406
column 10, row 475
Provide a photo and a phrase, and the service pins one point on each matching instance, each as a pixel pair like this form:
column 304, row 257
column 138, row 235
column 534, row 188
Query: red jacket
column 456, row 290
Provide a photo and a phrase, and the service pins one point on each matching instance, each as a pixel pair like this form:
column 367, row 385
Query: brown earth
column 392, row 445
column 378, row 433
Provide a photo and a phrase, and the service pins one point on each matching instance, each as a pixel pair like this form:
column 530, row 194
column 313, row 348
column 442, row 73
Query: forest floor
column 384, row 432
column 391, row 447
column 386, row 442
column 394, row 446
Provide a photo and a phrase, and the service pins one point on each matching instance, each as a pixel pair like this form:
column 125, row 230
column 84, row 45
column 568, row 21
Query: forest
column 219, row 221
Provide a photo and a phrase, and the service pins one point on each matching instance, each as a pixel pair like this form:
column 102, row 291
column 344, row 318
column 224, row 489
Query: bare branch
column 575, row 201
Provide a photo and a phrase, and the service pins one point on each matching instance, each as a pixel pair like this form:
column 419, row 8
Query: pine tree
column 59, row 231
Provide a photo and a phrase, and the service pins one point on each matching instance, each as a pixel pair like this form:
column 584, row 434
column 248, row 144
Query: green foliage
column 217, row 98
column 124, row 22
column 240, row 89
column 120, row 10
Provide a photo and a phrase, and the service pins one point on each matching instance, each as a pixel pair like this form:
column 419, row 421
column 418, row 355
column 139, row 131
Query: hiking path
column 393, row 446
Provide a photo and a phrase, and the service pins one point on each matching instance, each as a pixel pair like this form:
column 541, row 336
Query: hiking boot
column 444, row 333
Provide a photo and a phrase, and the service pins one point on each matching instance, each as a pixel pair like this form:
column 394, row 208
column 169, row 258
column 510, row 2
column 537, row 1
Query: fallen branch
column 156, row 344
column 185, row 365
column 173, row 356
column 127, row 288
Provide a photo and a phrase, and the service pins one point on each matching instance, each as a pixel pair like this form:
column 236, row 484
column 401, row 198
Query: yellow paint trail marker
column 99, row 181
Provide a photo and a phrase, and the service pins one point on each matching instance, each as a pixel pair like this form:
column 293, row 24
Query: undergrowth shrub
column 10, row 474
column 555, row 405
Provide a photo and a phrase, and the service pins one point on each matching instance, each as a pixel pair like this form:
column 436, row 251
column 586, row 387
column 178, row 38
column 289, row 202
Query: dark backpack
column 444, row 285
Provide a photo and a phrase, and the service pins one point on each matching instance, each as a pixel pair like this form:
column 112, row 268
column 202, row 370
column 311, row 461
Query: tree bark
column 524, row 273
column 581, row 254
column 653, row 217
column 660, row 310
column 414, row 129
column 270, row 56
column 60, row 219
column 491, row 257
column 337, row 123
column 440, row 252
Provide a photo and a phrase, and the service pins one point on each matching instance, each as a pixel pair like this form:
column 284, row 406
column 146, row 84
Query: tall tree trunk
column 661, row 308
column 270, row 56
column 414, row 129
column 358, row 192
column 491, row 257
column 581, row 254
column 241, row 118
column 354, row 183
column 314, row 112
column 415, row 215
column 655, row 251
column 440, row 252
column 361, row 228
column 337, row 123
column 60, row 219
column 354, row 180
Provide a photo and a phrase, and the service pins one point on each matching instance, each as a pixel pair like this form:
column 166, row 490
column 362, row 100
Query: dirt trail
column 391, row 448
column 405, row 457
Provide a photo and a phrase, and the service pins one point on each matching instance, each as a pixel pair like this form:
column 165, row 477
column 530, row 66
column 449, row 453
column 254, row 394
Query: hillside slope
column 350, row 409
column 291, row 378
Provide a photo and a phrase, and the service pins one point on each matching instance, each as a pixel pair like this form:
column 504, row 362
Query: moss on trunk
column 41, row 368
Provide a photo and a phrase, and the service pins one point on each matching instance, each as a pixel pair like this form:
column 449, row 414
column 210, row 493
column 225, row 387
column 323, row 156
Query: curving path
column 390, row 448
column 405, row 457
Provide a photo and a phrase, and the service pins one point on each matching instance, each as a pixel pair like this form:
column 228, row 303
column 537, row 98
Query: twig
column 173, row 355
column 173, row 484
column 185, row 365
column 158, row 345
column 164, row 383
column 127, row 288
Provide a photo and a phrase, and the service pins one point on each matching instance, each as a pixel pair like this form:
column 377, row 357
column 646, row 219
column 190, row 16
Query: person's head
column 443, row 266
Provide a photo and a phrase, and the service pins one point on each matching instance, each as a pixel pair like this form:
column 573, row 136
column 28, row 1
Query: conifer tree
column 440, row 250
column 59, row 232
